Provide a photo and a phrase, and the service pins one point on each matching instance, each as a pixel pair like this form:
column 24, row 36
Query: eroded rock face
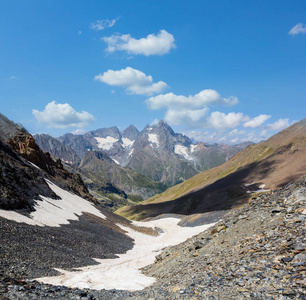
column 18, row 148
column 20, row 182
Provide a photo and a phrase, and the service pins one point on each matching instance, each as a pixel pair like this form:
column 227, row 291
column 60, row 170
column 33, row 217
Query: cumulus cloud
column 279, row 125
column 191, row 110
column 135, row 81
column 298, row 29
column 78, row 131
column 219, row 129
column 58, row 115
column 102, row 24
column 188, row 116
column 257, row 121
column 179, row 102
column 159, row 44
column 219, row 120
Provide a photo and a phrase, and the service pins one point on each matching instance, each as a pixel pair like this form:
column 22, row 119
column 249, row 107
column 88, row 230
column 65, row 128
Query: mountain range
column 128, row 164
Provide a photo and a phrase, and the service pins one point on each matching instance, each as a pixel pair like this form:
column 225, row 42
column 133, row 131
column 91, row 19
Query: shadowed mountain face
column 18, row 151
column 272, row 163
column 20, row 182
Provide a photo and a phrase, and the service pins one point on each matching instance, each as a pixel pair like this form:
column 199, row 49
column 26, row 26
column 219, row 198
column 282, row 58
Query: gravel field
column 255, row 252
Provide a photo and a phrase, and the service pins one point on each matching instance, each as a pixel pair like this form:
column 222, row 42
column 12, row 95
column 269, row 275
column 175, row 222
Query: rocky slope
column 266, row 165
column 256, row 252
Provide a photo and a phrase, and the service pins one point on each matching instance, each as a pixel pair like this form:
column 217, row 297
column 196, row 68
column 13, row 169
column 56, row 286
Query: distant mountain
column 56, row 148
column 112, row 184
column 156, row 152
column 267, row 165
column 98, row 169
column 76, row 142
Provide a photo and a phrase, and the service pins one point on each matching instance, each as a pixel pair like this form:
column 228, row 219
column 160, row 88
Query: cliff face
column 20, row 182
column 18, row 151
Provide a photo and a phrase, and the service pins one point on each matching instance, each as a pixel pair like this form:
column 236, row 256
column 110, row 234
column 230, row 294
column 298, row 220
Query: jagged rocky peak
column 162, row 136
column 130, row 133
column 77, row 142
column 105, row 132
column 9, row 129
column 57, row 149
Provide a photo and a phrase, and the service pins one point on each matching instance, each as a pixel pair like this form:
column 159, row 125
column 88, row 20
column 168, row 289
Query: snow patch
column 123, row 273
column 126, row 143
column 193, row 148
column 106, row 143
column 131, row 152
column 50, row 212
column 34, row 165
column 182, row 150
column 153, row 138
column 116, row 161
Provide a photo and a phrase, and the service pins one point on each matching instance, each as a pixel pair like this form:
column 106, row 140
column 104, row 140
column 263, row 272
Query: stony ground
column 255, row 252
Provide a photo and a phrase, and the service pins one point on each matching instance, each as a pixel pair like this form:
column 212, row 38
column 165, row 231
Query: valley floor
column 255, row 252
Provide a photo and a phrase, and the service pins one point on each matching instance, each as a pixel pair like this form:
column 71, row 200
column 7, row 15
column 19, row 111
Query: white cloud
column 276, row 126
column 159, row 44
column 225, row 134
column 155, row 122
column 62, row 116
column 298, row 29
column 102, row 24
column 190, row 110
column 135, row 81
column 279, row 125
column 257, row 121
column 179, row 102
column 219, row 120
column 187, row 116
column 78, row 131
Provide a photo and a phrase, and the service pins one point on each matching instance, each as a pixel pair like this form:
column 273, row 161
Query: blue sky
column 218, row 71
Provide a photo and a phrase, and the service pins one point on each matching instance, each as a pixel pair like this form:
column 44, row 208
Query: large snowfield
column 120, row 273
